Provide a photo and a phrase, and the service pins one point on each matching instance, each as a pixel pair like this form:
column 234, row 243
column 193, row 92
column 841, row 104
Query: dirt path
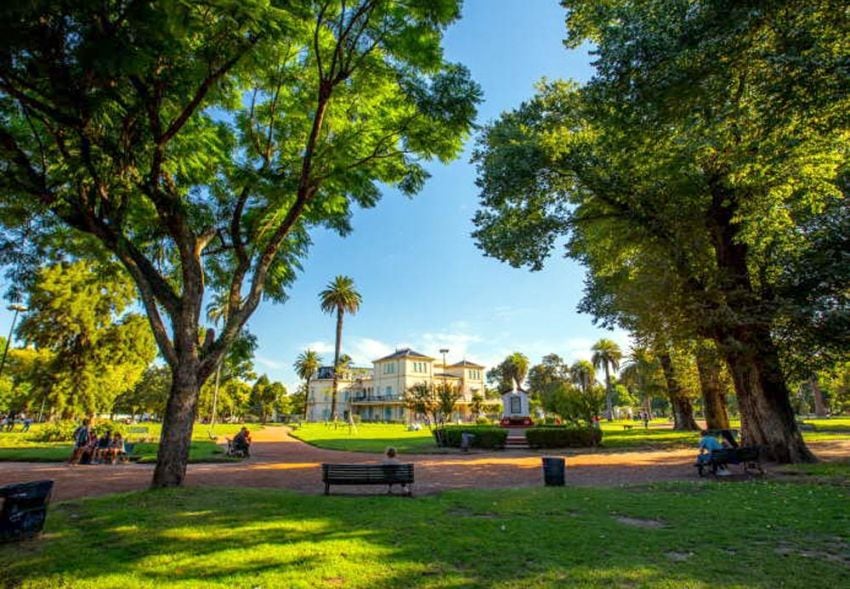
column 280, row 461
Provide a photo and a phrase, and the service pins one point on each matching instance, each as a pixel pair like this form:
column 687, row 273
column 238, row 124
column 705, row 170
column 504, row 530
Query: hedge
column 486, row 436
column 563, row 437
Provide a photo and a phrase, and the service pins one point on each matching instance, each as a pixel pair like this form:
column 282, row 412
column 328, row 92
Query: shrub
column 63, row 431
column 482, row 420
column 486, row 436
column 57, row 431
column 563, row 437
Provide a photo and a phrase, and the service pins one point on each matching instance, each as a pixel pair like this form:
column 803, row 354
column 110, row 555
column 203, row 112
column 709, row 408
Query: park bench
column 627, row 427
column 24, row 509
column 367, row 474
column 749, row 456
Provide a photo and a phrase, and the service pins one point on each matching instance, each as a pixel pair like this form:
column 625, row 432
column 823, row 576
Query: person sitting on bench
column 707, row 444
column 101, row 453
column 116, row 448
column 81, row 440
column 391, row 457
column 242, row 442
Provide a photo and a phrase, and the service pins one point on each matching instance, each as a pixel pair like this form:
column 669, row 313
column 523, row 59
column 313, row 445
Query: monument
column 515, row 409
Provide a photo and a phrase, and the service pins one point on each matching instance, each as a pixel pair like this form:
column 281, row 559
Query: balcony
column 364, row 398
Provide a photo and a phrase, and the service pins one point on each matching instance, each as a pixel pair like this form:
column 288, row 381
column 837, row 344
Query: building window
column 389, row 391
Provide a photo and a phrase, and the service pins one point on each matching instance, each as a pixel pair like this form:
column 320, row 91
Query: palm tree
column 339, row 297
column 642, row 372
column 607, row 355
column 306, row 366
column 582, row 374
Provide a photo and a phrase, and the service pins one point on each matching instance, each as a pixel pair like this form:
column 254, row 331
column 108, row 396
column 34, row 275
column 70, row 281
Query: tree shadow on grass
column 519, row 538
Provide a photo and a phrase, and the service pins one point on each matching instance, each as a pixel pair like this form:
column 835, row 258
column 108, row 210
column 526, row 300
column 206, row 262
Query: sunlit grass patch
column 366, row 437
column 544, row 537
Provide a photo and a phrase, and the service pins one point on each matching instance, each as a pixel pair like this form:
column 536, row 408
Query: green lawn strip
column 707, row 535
column 377, row 437
column 20, row 447
column 835, row 472
column 829, row 424
column 367, row 438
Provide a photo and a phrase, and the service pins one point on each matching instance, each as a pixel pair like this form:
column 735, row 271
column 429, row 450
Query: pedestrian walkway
column 281, row 461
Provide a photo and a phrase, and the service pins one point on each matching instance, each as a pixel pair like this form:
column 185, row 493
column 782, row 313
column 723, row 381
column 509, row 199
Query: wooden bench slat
column 366, row 474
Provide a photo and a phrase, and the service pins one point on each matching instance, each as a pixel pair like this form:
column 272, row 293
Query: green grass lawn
column 20, row 447
column 658, row 435
column 699, row 535
column 367, row 437
column 376, row 437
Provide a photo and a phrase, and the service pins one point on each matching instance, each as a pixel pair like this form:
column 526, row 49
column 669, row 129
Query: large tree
column 340, row 297
column 197, row 143
column 306, row 366
column 709, row 138
column 78, row 311
column 607, row 355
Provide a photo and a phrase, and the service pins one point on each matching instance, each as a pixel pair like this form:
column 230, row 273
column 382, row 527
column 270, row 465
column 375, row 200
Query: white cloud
column 319, row 346
column 364, row 350
column 269, row 363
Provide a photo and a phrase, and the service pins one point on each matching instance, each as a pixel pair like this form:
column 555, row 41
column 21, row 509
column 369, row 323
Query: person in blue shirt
column 707, row 444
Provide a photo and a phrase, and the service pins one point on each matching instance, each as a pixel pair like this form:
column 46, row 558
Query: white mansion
column 377, row 393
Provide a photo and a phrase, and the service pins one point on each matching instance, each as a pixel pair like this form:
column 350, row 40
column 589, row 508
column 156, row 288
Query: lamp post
column 444, row 351
column 17, row 309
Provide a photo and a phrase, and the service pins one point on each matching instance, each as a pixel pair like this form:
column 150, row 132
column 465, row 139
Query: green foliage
column 486, row 436
column 447, row 398
column 199, row 144
column 267, row 396
column 436, row 402
column 579, row 405
column 510, row 372
column 691, row 175
column 554, row 436
column 546, row 379
column 97, row 351
column 57, row 431
column 149, row 395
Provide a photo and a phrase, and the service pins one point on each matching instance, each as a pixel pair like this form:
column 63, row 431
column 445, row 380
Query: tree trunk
column 713, row 397
column 176, row 436
column 306, row 398
column 683, row 411
column 820, row 406
column 609, row 402
column 337, row 348
column 767, row 418
column 742, row 334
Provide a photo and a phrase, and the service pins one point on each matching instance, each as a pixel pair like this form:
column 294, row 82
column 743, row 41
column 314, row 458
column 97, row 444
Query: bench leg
column 327, row 488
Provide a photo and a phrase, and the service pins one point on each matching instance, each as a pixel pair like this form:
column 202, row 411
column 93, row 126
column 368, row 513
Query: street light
column 17, row 309
column 444, row 351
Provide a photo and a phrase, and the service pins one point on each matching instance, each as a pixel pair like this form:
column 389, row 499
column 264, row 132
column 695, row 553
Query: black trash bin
column 466, row 440
column 24, row 509
column 553, row 471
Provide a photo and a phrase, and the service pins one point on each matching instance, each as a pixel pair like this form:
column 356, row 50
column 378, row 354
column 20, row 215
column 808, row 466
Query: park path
column 281, row 461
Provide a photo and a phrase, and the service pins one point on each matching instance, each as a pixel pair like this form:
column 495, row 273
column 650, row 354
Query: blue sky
column 424, row 283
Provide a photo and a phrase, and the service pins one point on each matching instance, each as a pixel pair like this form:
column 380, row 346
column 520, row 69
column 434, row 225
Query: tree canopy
column 198, row 144
column 684, row 175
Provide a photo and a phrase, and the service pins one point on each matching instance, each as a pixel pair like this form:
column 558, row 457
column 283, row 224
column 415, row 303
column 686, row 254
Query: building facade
column 377, row 393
